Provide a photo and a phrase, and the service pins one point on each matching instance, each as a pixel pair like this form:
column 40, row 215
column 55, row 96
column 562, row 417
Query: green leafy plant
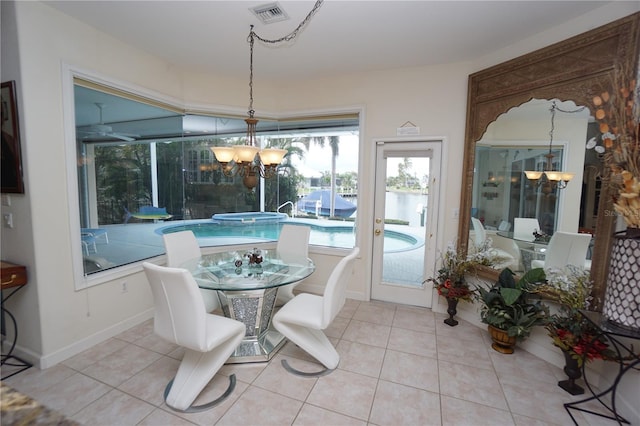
column 507, row 304
column 570, row 287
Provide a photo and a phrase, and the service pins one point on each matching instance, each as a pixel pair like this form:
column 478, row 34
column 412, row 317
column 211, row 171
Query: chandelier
column 248, row 160
column 548, row 178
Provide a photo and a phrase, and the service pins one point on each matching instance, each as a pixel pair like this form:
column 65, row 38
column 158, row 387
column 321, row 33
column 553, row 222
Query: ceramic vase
column 622, row 299
column 452, row 305
column 573, row 372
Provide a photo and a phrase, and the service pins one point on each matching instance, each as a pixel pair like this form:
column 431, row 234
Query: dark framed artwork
column 11, row 154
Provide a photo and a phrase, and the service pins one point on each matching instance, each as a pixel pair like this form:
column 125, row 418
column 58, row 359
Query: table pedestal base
column 261, row 349
column 254, row 308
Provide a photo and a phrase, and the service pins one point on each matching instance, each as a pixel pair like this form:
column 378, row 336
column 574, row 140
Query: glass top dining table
column 247, row 293
column 528, row 239
column 231, row 271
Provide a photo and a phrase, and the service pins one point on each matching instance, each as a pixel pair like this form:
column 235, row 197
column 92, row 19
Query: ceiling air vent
column 270, row 13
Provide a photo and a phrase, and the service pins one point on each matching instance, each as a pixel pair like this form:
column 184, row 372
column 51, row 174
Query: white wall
column 55, row 320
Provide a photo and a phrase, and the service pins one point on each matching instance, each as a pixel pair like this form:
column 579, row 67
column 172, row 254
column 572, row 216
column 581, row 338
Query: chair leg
column 297, row 372
column 314, row 342
column 196, row 371
column 202, row 407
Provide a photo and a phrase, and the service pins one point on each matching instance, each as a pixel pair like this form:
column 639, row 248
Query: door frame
column 433, row 243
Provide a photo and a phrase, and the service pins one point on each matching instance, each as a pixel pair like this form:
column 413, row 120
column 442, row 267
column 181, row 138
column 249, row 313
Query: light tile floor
column 399, row 365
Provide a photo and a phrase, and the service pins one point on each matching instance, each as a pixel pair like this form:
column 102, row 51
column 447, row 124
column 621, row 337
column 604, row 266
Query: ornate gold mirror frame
column 575, row 69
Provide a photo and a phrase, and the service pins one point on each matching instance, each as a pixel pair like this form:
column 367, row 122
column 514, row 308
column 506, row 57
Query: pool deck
column 145, row 240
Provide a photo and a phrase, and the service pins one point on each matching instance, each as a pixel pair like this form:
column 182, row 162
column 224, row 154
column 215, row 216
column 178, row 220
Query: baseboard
column 92, row 340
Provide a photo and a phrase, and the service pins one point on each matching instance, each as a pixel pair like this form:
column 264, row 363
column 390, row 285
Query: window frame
column 70, row 76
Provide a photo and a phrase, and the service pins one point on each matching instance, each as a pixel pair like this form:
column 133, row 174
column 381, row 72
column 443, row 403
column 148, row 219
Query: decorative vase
column 573, row 372
column 502, row 342
column 622, row 299
column 452, row 304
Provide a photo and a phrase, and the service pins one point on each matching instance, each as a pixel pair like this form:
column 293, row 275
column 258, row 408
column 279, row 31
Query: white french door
column 405, row 220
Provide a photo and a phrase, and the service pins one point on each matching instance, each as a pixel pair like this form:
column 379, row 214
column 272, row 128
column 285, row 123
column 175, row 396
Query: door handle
column 377, row 232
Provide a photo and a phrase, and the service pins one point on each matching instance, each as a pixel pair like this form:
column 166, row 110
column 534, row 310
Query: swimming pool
column 321, row 234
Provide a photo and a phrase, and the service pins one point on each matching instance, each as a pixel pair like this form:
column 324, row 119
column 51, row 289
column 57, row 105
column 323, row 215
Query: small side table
column 627, row 360
column 14, row 277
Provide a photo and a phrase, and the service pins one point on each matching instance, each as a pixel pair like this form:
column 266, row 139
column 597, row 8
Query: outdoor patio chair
column 96, row 232
column 88, row 240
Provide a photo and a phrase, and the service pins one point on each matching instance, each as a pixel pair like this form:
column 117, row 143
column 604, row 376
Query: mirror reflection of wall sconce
column 492, row 181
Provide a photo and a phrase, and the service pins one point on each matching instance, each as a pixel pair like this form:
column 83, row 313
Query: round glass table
column 247, row 293
column 530, row 247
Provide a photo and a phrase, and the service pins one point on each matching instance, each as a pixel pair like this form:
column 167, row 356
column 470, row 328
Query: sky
column 318, row 160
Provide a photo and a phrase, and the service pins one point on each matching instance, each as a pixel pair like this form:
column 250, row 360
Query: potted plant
column 576, row 337
column 450, row 281
column 509, row 311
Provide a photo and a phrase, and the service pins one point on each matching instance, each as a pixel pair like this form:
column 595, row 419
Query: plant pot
column 573, row 372
column 452, row 304
column 622, row 299
column 502, row 342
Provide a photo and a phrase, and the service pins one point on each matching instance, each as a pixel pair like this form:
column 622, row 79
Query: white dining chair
column 208, row 340
column 507, row 258
column 523, row 228
column 181, row 247
column 292, row 247
column 304, row 319
column 565, row 248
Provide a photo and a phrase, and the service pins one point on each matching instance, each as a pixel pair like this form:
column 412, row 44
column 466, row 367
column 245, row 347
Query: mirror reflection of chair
column 565, row 248
column 292, row 247
column 208, row 340
column 523, row 228
column 504, row 226
column 181, row 247
column 507, row 250
column 303, row 319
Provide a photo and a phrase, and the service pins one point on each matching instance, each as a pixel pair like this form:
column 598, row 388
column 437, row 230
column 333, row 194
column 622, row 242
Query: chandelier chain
column 293, row 33
column 253, row 36
column 554, row 108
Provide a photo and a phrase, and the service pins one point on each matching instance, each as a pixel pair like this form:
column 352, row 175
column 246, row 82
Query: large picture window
column 144, row 170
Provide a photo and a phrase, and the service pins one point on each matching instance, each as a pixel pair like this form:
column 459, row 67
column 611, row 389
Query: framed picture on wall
column 11, row 155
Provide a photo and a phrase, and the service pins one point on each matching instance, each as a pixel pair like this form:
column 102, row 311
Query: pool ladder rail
column 293, row 207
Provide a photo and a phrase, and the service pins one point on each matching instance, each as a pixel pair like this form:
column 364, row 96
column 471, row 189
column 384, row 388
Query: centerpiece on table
column 450, row 281
column 618, row 116
column 576, row 337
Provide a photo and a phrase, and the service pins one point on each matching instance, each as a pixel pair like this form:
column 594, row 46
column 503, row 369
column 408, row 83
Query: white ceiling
column 343, row 36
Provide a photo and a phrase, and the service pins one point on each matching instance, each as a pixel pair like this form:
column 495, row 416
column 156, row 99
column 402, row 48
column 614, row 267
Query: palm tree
column 289, row 187
column 334, row 143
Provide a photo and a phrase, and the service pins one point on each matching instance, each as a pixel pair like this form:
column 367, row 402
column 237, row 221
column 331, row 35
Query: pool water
column 332, row 236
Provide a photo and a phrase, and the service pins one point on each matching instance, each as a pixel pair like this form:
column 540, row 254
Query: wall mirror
column 507, row 91
column 522, row 139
